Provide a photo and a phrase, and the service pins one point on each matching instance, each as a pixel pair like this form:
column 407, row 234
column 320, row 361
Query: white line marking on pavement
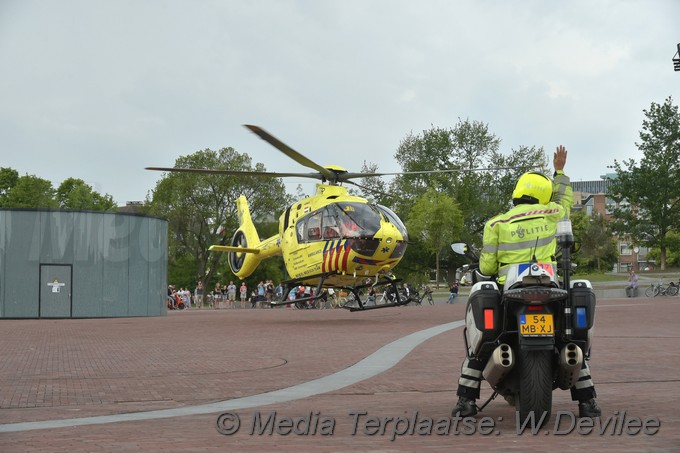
column 620, row 305
column 381, row 360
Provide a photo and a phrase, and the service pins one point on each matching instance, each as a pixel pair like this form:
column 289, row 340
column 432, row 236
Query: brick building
column 591, row 196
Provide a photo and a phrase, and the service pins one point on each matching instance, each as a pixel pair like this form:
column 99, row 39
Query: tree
column 598, row 250
column 480, row 194
column 75, row 194
column 30, row 192
column 433, row 221
column 673, row 252
column 373, row 188
column 469, row 146
column 8, row 179
column 647, row 194
column 201, row 209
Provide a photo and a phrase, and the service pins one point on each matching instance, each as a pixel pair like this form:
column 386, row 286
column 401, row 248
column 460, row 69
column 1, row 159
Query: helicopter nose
column 389, row 239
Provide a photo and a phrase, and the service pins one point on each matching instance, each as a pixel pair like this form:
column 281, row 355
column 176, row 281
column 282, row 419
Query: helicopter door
column 309, row 228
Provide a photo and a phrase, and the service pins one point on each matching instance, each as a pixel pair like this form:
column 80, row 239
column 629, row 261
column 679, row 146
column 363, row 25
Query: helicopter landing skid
column 355, row 305
column 375, row 307
column 383, row 281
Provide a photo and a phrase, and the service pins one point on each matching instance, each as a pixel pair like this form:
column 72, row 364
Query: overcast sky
column 98, row 90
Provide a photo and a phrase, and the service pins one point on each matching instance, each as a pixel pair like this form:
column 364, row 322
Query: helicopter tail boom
column 227, row 248
column 246, row 250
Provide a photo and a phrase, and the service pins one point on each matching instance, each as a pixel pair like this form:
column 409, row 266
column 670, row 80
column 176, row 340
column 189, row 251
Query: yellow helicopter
column 328, row 240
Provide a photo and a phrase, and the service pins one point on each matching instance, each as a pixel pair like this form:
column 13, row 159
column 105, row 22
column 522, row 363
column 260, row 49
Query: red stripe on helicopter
column 327, row 254
column 323, row 259
column 333, row 253
column 338, row 255
column 345, row 256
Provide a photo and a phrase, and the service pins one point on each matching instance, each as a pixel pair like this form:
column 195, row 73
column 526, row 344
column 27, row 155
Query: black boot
column 588, row 408
column 466, row 407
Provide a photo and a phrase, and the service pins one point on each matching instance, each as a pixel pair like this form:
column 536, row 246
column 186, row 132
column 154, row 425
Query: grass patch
column 598, row 277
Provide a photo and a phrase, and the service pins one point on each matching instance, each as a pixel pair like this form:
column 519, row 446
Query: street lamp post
column 636, row 263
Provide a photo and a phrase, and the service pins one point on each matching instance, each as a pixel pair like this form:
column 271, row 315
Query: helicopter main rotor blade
column 290, row 152
column 236, row 172
column 348, row 175
column 368, row 189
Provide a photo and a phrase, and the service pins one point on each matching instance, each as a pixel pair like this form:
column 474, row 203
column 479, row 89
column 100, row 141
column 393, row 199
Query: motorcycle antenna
column 533, row 253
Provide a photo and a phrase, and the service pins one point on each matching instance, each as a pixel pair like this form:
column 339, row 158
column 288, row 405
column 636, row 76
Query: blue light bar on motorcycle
column 581, row 319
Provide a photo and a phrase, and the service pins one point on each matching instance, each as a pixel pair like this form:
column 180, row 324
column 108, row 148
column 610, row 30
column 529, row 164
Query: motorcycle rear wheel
column 535, row 385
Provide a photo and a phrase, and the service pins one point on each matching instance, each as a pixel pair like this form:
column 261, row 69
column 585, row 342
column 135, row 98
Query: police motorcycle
column 535, row 330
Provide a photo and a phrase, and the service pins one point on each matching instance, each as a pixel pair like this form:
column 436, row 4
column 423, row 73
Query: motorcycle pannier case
column 583, row 315
column 483, row 316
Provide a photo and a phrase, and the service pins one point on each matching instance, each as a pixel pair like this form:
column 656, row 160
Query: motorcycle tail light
column 488, row 319
column 535, row 294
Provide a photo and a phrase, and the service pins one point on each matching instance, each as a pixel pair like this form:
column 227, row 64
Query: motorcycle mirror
column 459, row 248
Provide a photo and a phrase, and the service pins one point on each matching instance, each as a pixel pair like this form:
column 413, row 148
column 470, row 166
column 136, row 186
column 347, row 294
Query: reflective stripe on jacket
column 527, row 229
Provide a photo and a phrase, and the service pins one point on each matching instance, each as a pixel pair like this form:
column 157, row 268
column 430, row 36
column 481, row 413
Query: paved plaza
column 379, row 381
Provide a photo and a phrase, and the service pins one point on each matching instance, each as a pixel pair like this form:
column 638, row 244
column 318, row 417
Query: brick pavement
column 61, row 369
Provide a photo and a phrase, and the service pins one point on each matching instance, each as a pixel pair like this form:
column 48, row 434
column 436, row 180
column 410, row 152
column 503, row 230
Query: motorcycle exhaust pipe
column 499, row 365
column 571, row 361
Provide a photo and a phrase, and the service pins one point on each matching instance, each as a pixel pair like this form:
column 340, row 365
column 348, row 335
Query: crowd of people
column 241, row 296
column 224, row 296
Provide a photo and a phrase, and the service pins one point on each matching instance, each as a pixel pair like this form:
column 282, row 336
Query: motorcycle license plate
column 536, row 325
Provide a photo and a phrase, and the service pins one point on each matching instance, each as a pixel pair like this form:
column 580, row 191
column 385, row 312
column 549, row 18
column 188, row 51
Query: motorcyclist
column 514, row 237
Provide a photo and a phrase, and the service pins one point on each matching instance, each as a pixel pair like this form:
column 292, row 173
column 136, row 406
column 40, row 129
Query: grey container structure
column 82, row 264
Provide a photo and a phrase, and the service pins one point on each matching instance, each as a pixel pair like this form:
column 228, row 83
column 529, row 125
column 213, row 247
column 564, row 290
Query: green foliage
column 31, row 192
column 434, row 220
column 672, row 253
column 482, row 187
column 8, row 179
column 373, row 188
column 201, row 209
column 182, row 272
column 598, row 250
column 648, row 193
column 75, row 194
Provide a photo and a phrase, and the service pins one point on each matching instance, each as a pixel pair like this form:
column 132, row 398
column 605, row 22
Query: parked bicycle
column 661, row 289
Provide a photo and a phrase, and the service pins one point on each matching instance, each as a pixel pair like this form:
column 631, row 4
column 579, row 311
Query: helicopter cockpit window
column 311, row 231
column 396, row 221
column 355, row 219
column 300, row 230
column 330, row 224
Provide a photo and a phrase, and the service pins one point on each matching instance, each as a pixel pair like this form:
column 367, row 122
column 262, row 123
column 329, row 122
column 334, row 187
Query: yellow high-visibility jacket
column 526, row 230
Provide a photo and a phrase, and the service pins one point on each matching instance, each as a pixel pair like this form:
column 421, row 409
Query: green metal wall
column 118, row 261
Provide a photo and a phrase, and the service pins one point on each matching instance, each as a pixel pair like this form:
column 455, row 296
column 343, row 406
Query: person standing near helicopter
column 539, row 204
